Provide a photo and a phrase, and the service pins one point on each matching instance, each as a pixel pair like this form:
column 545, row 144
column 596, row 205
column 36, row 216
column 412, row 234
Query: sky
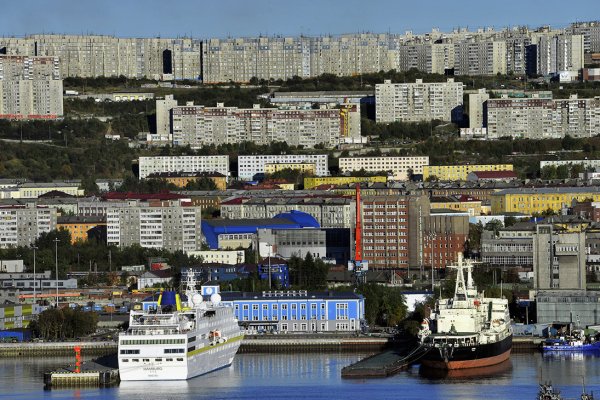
column 223, row 18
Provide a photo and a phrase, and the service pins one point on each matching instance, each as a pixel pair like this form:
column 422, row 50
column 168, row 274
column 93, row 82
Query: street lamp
column 34, row 280
column 268, row 244
column 56, row 240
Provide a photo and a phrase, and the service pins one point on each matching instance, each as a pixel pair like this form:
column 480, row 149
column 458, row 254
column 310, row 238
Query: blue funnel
column 168, row 298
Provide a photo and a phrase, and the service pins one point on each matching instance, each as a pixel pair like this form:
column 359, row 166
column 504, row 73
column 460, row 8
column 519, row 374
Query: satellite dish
column 196, row 299
column 215, row 298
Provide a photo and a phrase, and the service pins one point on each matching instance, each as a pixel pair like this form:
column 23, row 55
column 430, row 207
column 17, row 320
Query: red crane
column 358, row 229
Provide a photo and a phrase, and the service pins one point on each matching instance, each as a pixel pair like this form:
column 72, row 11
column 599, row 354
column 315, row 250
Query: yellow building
column 458, row 203
column 182, row 179
column 78, row 226
column 460, row 172
column 538, row 200
column 305, row 168
column 312, row 182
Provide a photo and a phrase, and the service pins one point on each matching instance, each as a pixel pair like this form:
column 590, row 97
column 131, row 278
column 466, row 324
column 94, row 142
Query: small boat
column 576, row 342
column 547, row 392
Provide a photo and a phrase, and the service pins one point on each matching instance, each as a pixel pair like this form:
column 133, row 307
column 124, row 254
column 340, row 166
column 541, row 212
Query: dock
column 308, row 343
column 56, row 349
column 385, row 364
column 101, row 372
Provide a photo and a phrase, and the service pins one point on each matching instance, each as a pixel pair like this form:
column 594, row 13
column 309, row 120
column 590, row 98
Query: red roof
column 237, row 200
column 464, row 197
column 495, row 174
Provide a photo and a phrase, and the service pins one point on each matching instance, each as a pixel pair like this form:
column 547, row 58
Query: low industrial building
column 232, row 234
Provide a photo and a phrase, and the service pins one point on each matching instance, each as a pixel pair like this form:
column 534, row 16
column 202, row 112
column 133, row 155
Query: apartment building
column 95, row 55
column 312, row 182
column 329, row 211
column 390, row 230
column 30, row 87
column 538, row 200
column 539, row 118
column 197, row 126
column 172, row 225
column 190, row 164
column 444, row 237
column 249, row 166
column 22, row 225
column 399, row 168
column 558, row 258
column 591, row 34
column 480, row 57
column 419, row 101
column 163, row 117
column 460, row 172
column 478, row 109
column 587, row 164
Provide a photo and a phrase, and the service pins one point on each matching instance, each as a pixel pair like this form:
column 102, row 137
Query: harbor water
column 318, row 376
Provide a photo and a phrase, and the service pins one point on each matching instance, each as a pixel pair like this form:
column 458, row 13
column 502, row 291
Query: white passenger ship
column 179, row 342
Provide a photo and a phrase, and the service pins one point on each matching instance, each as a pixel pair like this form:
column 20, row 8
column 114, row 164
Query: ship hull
column 186, row 366
column 469, row 357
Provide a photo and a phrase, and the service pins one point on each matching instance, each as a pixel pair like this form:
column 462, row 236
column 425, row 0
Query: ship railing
column 142, row 332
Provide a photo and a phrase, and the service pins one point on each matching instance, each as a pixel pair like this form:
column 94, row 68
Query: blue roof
column 212, row 228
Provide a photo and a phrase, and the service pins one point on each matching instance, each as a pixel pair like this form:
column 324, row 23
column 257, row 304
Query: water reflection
column 500, row 372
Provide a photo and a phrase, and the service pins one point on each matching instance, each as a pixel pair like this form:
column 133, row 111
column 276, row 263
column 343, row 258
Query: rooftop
column 549, row 190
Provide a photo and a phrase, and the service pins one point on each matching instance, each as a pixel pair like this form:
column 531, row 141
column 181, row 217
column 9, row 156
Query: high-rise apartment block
column 161, row 164
column 419, row 101
column 22, row 225
column 94, row 56
column 171, row 225
column 399, row 168
column 249, row 166
column 30, row 87
column 478, row 109
column 481, row 52
column 540, row 118
column 198, row 126
column 558, row 258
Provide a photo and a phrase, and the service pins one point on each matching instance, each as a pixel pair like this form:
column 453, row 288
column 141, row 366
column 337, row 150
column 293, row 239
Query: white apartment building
column 249, row 166
column 163, row 117
column 476, row 108
column 22, row 225
column 539, row 118
column 194, row 164
column 95, row 55
column 30, row 87
column 220, row 256
column 587, row 164
column 197, row 126
column 399, row 167
column 419, row 101
column 170, row 225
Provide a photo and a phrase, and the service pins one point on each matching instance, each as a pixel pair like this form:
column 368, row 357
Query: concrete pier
column 56, row 349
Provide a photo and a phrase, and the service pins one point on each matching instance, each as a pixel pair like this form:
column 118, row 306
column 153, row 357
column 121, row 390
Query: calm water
column 317, row 376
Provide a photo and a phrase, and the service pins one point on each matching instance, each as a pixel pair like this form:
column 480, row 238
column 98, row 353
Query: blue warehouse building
column 216, row 230
column 214, row 273
column 298, row 311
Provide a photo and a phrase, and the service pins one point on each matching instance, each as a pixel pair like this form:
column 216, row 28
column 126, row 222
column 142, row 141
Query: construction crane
column 358, row 266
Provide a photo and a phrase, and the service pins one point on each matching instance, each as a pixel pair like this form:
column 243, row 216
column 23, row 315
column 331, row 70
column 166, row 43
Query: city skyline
column 239, row 18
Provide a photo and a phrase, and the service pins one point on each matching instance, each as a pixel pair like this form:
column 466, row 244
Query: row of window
column 283, row 306
column 148, row 360
column 130, row 342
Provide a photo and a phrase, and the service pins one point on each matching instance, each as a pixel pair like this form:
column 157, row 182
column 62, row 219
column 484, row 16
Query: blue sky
column 221, row 18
